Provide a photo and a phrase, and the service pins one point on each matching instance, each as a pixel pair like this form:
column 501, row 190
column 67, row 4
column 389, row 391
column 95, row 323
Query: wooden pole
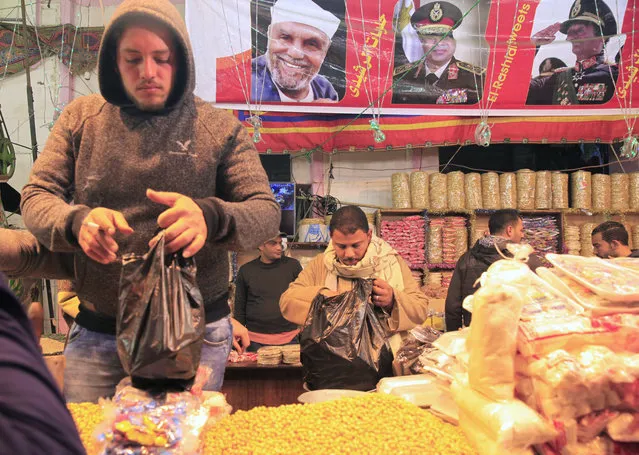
column 25, row 62
column 34, row 141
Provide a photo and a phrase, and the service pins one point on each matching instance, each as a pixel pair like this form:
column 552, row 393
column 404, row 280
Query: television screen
column 284, row 193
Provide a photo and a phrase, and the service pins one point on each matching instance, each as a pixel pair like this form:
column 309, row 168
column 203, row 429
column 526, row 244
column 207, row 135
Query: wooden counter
column 247, row 384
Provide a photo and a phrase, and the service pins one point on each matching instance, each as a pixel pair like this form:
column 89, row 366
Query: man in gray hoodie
column 145, row 153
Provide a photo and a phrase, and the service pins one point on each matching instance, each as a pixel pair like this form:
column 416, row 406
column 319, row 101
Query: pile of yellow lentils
column 368, row 424
column 87, row 417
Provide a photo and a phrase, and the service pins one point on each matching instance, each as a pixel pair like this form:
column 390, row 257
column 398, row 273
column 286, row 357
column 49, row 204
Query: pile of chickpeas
column 368, row 424
column 87, row 417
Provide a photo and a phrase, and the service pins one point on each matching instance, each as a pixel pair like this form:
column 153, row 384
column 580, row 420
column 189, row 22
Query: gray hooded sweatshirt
column 104, row 152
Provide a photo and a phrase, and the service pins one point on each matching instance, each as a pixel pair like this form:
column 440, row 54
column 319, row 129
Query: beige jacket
column 411, row 304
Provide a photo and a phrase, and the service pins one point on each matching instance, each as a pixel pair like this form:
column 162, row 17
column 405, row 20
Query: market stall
column 549, row 364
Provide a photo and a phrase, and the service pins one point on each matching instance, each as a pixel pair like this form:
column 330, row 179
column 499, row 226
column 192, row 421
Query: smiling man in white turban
column 298, row 39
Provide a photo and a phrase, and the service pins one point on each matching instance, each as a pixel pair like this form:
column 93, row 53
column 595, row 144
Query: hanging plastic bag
column 344, row 341
column 160, row 320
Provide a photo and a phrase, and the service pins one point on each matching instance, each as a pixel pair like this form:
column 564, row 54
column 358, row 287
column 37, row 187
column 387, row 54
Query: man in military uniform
column 591, row 80
column 439, row 78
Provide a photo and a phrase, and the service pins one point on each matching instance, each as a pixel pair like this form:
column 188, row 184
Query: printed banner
column 456, row 59
column 462, row 57
column 290, row 133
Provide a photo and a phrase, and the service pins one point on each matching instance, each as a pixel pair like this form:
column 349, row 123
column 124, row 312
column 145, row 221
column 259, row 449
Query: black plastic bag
column 160, row 320
column 344, row 341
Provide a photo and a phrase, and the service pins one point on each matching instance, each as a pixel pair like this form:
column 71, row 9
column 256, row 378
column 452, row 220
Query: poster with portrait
column 457, row 60
column 299, row 51
column 441, row 52
column 578, row 49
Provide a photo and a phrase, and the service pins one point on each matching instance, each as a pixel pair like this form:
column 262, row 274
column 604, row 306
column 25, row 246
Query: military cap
column 436, row 18
column 593, row 11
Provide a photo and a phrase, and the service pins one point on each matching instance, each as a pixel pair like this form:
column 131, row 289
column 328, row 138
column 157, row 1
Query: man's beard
column 285, row 81
column 146, row 106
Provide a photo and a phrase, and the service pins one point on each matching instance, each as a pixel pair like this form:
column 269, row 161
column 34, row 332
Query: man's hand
column 546, row 36
column 241, row 338
column 97, row 231
column 383, row 295
column 184, row 223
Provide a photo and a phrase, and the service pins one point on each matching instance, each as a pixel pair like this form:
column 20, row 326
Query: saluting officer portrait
column 438, row 77
column 592, row 44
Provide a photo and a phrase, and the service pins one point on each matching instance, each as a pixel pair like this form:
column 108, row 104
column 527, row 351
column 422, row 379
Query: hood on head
column 131, row 12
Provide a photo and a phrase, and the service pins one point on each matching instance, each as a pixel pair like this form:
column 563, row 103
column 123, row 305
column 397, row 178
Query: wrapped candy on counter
column 422, row 390
column 139, row 422
column 540, row 336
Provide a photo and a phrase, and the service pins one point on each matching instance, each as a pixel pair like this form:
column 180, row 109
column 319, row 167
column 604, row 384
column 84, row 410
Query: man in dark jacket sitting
column 505, row 226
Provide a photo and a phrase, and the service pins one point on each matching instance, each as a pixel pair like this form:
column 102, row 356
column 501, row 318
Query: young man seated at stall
column 258, row 288
column 355, row 252
column 610, row 240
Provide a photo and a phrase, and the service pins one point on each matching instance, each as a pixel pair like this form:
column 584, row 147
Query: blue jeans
column 93, row 368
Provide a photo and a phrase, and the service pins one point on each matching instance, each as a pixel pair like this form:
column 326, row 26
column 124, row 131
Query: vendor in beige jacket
column 354, row 252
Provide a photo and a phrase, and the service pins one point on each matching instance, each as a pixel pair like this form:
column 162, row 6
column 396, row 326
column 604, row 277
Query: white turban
column 305, row 12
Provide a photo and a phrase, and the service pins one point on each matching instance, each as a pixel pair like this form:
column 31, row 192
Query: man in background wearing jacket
column 354, row 252
column 505, row 226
